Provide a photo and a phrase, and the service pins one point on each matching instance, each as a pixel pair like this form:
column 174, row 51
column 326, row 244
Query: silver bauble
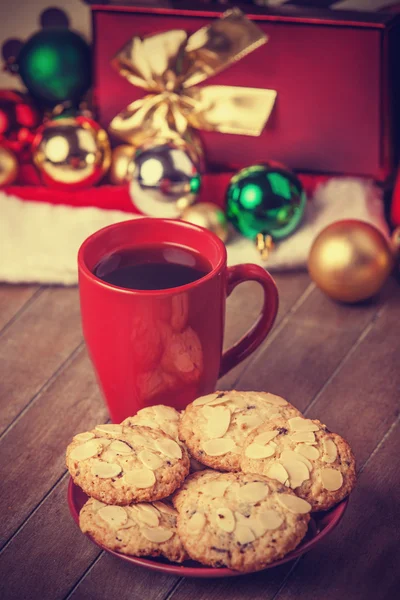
column 164, row 179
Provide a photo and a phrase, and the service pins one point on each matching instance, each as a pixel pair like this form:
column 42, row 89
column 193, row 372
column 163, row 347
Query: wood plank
column 244, row 306
column 32, row 453
column 12, row 300
column 310, row 347
column 360, row 560
column 35, row 346
column 362, row 400
column 112, row 578
column 48, row 555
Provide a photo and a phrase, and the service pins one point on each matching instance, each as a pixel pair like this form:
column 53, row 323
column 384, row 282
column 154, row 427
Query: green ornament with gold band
column 265, row 202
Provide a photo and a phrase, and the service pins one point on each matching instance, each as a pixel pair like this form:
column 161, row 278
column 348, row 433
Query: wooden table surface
column 337, row 363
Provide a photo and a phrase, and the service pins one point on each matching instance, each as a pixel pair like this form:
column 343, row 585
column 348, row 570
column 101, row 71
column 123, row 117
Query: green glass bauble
column 55, row 66
column 267, row 199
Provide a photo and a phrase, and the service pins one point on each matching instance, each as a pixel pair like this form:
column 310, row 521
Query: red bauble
column 18, row 120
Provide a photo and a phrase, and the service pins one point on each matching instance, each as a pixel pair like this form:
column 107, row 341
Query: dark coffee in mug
column 155, row 267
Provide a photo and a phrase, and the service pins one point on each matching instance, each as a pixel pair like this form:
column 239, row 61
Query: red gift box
column 338, row 102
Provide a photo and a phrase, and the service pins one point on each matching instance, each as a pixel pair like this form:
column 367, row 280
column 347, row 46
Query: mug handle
column 257, row 334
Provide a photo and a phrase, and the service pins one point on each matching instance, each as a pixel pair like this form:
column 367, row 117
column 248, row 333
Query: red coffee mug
column 163, row 346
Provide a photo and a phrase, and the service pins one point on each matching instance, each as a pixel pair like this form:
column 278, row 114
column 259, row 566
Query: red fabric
column 117, row 197
column 395, row 207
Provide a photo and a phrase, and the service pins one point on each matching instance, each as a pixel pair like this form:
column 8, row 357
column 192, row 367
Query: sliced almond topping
column 306, row 437
column 275, row 400
column 168, row 448
column 120, row 447
column 96, row 504
column 105, row 442
column 165, row 508
column 264, row 438
column 158, row 535
column 146, row 515
column 274, row 415
column 196, row 523
column 105, row 470
column 140, row 478
column 234, row 488
column 332, row 479
column 130, row 523
column 270, row 519
column 225, row 519
column 298, row 471
column 218, row 447
column 84, row 437
column 218, row 421
column 301, row 424
column 109, row 456
column 150, row 460
column 86, row 450
column 243, row 534
column 165, row 412
column 330, row 451
column 216, row 489
column 278, row 472
column 253, row 492
column 109, row 428
column 115, row 516
column 140, row 440
column 217, row 401
column 256, row 451
column 241, row 519
column 291, row 455
column 249, row 421
column 308, row 451
column 142, row 421
column 294, row 504
column 206, row 399
column 236, row 450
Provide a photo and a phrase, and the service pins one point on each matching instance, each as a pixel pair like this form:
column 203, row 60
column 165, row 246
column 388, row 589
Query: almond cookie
column 121, row 465
column 214, row 427
column 239, row 521
column 165, row 418
column 304, row 455
column 161, row 417
column 142, row 529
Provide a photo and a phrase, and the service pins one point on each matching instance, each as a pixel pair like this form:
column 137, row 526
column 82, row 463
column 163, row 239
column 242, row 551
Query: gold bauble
column 71, row 152
column 350, row 260
column 210, row 217
column 120, row 162
column 8, row 166
column 396, row 242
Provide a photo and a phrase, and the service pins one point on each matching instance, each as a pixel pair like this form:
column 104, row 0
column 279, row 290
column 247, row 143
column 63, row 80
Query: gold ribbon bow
column 170, row 65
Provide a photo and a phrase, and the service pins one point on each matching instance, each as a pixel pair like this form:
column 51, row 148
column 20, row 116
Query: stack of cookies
column 228, row 482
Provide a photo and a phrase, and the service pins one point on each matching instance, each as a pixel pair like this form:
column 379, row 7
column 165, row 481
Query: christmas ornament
column 165, row 178
column 18, row 119
column 8, row 166
column 396, row 249
column 55, row 66
column 121, row 162
column 209, row 216
column 350, row 260
column 265, row 202
column 71, row 152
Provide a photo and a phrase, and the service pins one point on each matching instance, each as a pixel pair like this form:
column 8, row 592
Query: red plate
column 320, row 525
